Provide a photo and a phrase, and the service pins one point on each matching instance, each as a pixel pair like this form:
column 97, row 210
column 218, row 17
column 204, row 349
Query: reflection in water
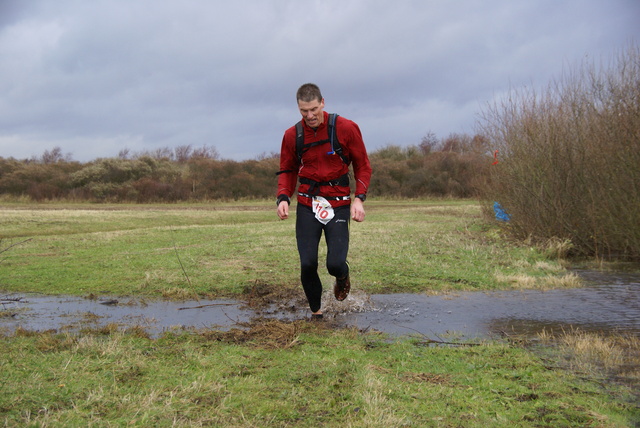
column 608, row 303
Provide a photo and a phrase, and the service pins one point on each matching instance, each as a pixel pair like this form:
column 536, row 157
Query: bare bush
column 570, row 158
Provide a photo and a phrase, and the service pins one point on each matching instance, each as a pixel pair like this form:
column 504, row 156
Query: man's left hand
column 357, row 210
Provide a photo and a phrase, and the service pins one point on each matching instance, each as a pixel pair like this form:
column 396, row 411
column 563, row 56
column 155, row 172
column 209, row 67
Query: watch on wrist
column 362, row 197
column 283, row 198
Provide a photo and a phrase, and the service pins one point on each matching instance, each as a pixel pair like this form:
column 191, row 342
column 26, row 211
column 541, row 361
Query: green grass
column 315, row 377
column 274, row 373
column 219, row 249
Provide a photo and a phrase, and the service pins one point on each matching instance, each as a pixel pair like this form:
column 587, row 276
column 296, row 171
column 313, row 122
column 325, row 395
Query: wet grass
column 522, row 281
column 596, row 355
column 274, row 373
column 218, row 249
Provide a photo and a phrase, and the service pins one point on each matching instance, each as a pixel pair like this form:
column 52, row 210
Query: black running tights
column 308, row 233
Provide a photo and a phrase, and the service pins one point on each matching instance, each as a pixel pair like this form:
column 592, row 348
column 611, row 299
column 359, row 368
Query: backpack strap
column 299, row 140
column 336, row 147
column 314, row 186
column 299, row 145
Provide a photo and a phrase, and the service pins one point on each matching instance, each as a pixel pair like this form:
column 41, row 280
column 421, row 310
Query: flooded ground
column 608, row 303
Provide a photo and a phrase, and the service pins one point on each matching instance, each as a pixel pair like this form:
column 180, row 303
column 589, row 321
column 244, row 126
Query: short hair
column 308, row 92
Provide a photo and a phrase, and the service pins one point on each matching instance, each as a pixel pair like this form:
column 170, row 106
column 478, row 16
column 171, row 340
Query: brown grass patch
column 427, row 378
column 613, row 357
column 261, row 295
column 264, row 333
column 432, row 378
column 570, row 280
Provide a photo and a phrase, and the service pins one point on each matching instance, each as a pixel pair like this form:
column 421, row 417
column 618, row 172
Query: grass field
column 295, row 374
column 274, row 373
column 219, row 249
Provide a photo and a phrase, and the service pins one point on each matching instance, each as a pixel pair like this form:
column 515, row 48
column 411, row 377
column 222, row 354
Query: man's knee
column 308, row 266
column 339, row 269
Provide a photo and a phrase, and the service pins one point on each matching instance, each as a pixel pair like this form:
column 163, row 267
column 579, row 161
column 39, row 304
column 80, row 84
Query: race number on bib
column 323, row 209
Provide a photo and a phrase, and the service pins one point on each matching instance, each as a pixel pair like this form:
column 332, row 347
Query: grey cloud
column 96, row 77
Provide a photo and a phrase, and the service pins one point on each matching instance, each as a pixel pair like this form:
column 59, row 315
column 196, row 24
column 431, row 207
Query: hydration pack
column 336, row 148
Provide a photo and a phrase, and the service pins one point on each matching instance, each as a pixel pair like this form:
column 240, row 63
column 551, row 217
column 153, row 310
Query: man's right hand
column 283, row 210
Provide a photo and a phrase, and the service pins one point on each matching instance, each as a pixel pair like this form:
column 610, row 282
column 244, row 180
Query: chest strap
column 314, row 186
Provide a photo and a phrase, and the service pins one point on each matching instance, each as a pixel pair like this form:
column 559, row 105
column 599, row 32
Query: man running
column 320, row 160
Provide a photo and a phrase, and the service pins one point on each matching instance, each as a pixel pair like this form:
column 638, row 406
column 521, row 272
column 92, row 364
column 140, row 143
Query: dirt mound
column 264, row 297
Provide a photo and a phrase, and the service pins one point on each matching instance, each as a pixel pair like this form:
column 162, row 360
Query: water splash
column 357, row 301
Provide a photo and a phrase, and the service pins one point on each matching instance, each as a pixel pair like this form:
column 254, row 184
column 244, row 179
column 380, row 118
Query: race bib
column 323, row 209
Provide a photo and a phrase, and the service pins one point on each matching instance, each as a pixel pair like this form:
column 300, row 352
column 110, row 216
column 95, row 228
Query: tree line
column 453, row 166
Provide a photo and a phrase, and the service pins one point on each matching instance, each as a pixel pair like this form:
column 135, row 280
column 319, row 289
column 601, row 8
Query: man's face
column 312, row 112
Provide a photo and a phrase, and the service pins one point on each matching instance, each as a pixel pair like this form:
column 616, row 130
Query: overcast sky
column 96, row 77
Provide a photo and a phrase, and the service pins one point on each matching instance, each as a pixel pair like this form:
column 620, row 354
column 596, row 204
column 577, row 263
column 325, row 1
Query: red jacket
column 319, row 166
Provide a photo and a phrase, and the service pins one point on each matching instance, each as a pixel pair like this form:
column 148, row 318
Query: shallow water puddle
column 36, row 312
column 597, row 308
column 609, row 303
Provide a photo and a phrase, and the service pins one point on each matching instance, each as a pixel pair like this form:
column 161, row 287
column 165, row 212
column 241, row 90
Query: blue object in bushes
column 501, row 214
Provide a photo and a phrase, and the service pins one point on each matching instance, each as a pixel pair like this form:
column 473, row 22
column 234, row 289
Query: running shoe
column 341, row 288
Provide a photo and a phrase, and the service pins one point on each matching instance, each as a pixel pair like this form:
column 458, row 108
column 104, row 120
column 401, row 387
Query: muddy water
column 608, row 303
